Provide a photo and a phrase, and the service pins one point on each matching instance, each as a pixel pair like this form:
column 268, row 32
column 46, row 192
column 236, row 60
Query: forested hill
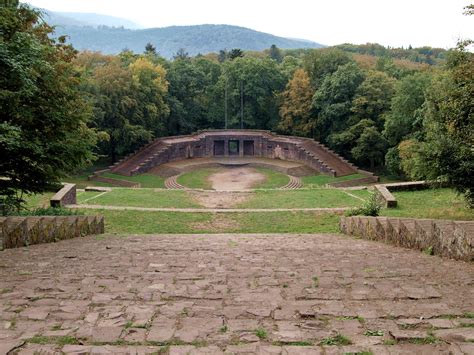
column 168, row 40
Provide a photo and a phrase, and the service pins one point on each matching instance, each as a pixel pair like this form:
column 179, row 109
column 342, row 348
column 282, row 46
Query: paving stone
column 187, row 287
column 458, row 334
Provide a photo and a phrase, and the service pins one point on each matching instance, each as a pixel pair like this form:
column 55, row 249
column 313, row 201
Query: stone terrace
column 279, row 294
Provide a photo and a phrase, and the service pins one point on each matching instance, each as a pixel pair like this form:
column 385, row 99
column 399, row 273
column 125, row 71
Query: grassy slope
column 303, row 199
column 145, row 180
column 273, row 179
column 138, row 222
column 197, row 179
column 432, row 203
column 320, row 180
column 140, row 198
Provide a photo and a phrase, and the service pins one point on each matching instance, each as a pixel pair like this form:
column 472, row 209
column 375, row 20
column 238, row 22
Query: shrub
column 371, row 207
column 49, row 211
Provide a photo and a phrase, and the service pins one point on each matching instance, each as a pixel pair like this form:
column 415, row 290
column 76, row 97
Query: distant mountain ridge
column 110, row 35
column 66, row 19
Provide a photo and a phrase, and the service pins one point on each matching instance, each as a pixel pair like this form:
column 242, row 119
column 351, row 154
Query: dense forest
column 404, row 112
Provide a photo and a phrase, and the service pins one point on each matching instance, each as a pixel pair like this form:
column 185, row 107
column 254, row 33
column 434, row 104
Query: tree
column 372, row 98
column 320, row 63
column 275, row 53
column 150, row 49
column 262, row 81
column 235, row 53
column 370, row 147
column 404, row 118
column 181, row 54
column 333, row 100
column 295, row 109
column 43, row 116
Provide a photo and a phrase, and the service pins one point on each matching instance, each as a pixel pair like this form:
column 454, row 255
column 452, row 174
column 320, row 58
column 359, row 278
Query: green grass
column 311, row 198
column 197, row 179
column 145, row 180
column 140, row 198
column 431, row 203
column 273, row 179
column 38, row 200
column 321, row 180
column 147, row 222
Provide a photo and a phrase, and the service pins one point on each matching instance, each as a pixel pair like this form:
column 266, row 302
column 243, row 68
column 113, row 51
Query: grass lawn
column 144, row 222
column 310, row 198
column 197, row 179
column 145, row 180
column 139, row 198
column 38, row 200
column 431, row 203
column 273, row 179
column 321, row 180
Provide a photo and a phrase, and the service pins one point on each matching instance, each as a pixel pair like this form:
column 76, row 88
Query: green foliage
column 43, row 115
column 261, row 333
column 371, row 207
column 49, row 211
column 445, row 152
column 336, row 340
column 370, row 146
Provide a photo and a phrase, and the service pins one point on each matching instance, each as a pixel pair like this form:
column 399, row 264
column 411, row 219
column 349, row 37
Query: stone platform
column 209, row 294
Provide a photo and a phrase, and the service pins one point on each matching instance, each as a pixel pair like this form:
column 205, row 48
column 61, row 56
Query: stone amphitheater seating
column 252, row 142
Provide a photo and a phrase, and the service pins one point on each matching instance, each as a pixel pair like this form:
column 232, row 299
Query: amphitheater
column 303, row 155
column 80, row 291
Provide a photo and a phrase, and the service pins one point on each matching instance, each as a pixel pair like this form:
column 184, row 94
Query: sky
column 396, row 23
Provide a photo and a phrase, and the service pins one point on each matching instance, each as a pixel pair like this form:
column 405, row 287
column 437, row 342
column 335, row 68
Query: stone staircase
column 133, row 163
column 327, row 157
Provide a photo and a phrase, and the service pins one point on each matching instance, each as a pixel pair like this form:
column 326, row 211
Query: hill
column 168, row 40
column 66, row 19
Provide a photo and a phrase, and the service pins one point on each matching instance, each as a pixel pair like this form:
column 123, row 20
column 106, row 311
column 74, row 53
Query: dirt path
column 207, row 210
column 271, row 294
column 236, row 179
column 219, row 200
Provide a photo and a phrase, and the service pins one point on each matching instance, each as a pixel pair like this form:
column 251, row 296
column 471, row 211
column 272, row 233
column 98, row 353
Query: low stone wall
column 389, row 200
column 18, row 232
column 65, row 196
column 453, row 239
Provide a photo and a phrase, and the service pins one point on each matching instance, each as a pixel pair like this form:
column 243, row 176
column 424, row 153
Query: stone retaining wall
column 453, row 239
column 355, row 182
column 65, row 196
column 23, row 231
column 389, row 200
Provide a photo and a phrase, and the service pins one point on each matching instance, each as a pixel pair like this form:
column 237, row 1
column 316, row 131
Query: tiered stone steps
column 171, row 183
column 329, row 158
column 132, row 163
column 294, row 183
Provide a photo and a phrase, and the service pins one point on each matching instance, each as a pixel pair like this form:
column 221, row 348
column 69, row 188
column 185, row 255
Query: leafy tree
column 275, row 53
column 150, row 49
column 333, row 100
column 320, row 63
column 404, row 117
column 235, row 53
column 181, row 54
column 261, row 80
column 446, row 151
column 347, row 139
column 43, row 116
column 295, row 109
column 372, row 97
column 370, row 147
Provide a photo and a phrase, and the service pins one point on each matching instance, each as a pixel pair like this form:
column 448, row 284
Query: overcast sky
column 437, row 23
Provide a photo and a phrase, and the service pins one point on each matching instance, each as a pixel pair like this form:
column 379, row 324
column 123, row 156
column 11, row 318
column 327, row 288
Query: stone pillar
column 226, row 147
column 241, row 148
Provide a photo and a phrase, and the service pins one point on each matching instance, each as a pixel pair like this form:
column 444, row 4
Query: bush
column 371, row 207
column 49, row 211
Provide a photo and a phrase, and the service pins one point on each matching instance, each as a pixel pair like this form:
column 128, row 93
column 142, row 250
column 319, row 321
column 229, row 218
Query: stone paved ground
column 272, row 294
